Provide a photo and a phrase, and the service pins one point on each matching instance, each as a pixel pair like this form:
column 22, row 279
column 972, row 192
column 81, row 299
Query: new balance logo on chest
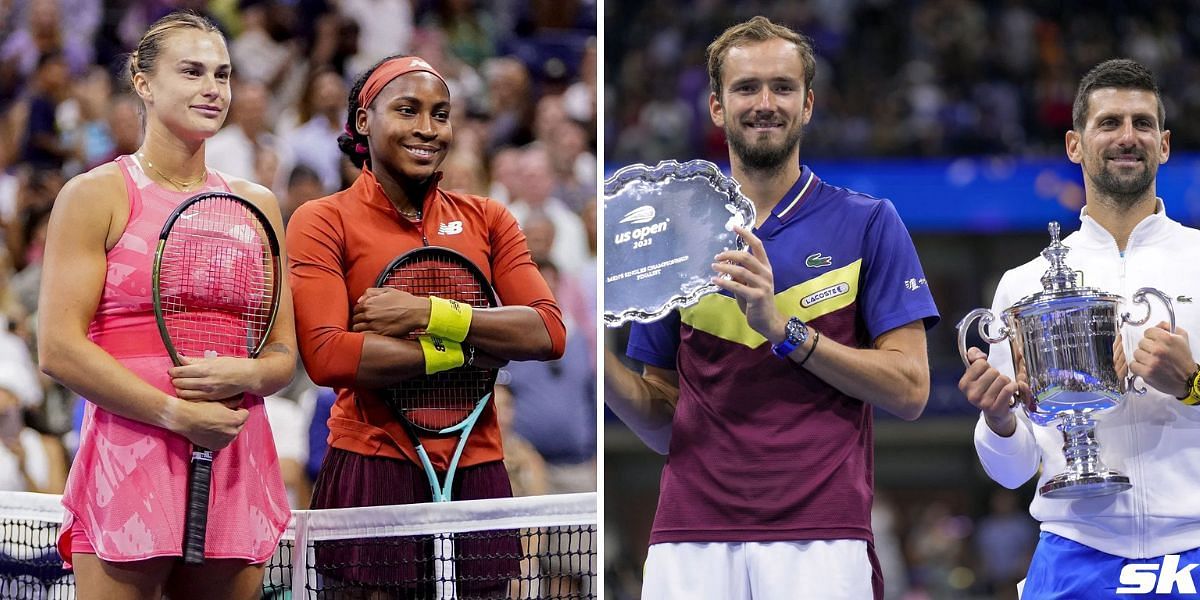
column 451, row 228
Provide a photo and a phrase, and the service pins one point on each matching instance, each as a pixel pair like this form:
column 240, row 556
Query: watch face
column 797, row 332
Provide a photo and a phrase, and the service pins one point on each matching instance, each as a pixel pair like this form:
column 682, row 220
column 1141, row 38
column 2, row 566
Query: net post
column 300, row 554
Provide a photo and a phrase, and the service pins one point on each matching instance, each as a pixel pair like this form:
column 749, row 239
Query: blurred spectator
column 534, row 193
column 509, row 94
column 303, row 185
column 245, row 146
column 289, row 428
column 93, row 135
column 526, row 468
column 506, row 174
column 42, row 147
column 462, row 171
column 926, row 78
column 319, row 120
column 555, row 405
column 469, row 31
column 384, row 28
column 264, row 51
column 42, row 34
column 580, row 97
column 29, row 461
column 124, row 126
column 1004, row 543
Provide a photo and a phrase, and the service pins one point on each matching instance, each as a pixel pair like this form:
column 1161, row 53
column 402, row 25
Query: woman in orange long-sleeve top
column 350, row 335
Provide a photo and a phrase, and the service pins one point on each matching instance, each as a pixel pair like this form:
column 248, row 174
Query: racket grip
column 195, row 523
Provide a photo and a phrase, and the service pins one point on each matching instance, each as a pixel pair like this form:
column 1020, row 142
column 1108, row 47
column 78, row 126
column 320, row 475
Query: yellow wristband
column 449, row 319
column 440, row 355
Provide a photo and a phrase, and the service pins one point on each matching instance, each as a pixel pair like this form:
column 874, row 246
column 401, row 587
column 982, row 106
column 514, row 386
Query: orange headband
column 390, row 70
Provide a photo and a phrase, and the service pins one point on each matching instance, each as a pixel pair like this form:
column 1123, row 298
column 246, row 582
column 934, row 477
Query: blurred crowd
column 925, row 78
column 522, row 75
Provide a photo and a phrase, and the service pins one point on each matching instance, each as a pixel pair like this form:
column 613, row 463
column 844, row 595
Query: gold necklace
column 183, row 186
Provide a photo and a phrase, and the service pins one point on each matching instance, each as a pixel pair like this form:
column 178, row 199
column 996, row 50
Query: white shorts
column 817, row 570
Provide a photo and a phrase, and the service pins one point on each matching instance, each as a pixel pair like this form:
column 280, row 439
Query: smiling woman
column 127, row 490
column 361, row 339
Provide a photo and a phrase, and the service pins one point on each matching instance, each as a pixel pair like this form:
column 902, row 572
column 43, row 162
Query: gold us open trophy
column 1062, row 346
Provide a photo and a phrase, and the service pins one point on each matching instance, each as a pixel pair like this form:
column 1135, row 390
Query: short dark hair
column 758, row 29
column 1119, row 73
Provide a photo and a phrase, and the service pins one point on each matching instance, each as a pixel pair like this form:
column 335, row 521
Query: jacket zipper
column 1135, row 463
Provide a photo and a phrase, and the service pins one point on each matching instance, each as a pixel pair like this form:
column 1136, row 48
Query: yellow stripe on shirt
column 719, row 315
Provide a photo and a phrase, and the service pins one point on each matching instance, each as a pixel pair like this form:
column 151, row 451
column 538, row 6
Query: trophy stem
column 1086, row 475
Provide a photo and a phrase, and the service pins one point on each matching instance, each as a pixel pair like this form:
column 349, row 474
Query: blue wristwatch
column 795, row 333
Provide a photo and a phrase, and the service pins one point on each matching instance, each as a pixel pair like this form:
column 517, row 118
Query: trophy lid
column 1060, row 283
column 1059, row 276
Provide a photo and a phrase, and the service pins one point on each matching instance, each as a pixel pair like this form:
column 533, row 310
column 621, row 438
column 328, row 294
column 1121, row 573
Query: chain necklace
column 182, row 186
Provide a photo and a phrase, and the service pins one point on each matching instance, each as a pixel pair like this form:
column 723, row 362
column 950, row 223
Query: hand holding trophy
column 662, row 227
column 1062, row 342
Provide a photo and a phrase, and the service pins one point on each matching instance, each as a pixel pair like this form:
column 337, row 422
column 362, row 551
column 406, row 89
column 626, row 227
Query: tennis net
column 538, row 547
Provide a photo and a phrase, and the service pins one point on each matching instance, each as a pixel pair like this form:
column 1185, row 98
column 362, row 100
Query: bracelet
column 448, row 319
column 440, row 355
column 816, row 338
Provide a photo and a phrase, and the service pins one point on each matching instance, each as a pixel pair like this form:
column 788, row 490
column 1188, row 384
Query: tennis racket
column 449, row 402
column 216, row 284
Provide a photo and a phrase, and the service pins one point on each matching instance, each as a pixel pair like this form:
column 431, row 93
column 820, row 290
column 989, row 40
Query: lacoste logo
column 815, row 260
column 639, row 215
column 451, row 228
column 832, row 291
column 1184, row 299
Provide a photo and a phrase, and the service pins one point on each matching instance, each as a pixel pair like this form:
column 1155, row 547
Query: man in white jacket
column 1141, row 540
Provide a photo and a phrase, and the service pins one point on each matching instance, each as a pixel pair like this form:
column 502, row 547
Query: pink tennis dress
column 127, row 489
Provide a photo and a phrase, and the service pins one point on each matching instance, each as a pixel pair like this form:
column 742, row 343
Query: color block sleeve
column 331, row 352
column 516, row 277
column 894, row 290
column 657, row 343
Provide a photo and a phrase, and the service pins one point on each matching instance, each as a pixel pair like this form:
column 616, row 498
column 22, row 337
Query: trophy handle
column 1139, row 297
column 985, row 317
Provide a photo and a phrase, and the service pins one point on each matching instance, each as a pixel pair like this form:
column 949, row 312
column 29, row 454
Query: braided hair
column 352, row 143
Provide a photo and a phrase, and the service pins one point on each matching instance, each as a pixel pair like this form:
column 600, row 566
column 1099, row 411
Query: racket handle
column 195, row 523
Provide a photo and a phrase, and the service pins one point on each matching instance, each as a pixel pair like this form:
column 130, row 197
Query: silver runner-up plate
column 663, row 225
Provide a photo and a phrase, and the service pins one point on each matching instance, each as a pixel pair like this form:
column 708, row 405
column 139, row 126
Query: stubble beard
column 1124, row 192
column 763, row 157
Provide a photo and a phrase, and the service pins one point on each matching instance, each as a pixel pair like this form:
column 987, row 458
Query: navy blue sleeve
column 656, row 343
column 894, row 291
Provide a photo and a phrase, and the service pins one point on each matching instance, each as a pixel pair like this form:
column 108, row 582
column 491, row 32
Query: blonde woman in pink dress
column 126, row 492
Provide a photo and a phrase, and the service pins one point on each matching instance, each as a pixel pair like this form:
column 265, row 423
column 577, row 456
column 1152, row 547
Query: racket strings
column 217, row 280
column 443, row 399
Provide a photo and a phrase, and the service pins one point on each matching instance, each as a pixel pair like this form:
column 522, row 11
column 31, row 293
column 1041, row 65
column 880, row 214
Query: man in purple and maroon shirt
column 762, row 395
